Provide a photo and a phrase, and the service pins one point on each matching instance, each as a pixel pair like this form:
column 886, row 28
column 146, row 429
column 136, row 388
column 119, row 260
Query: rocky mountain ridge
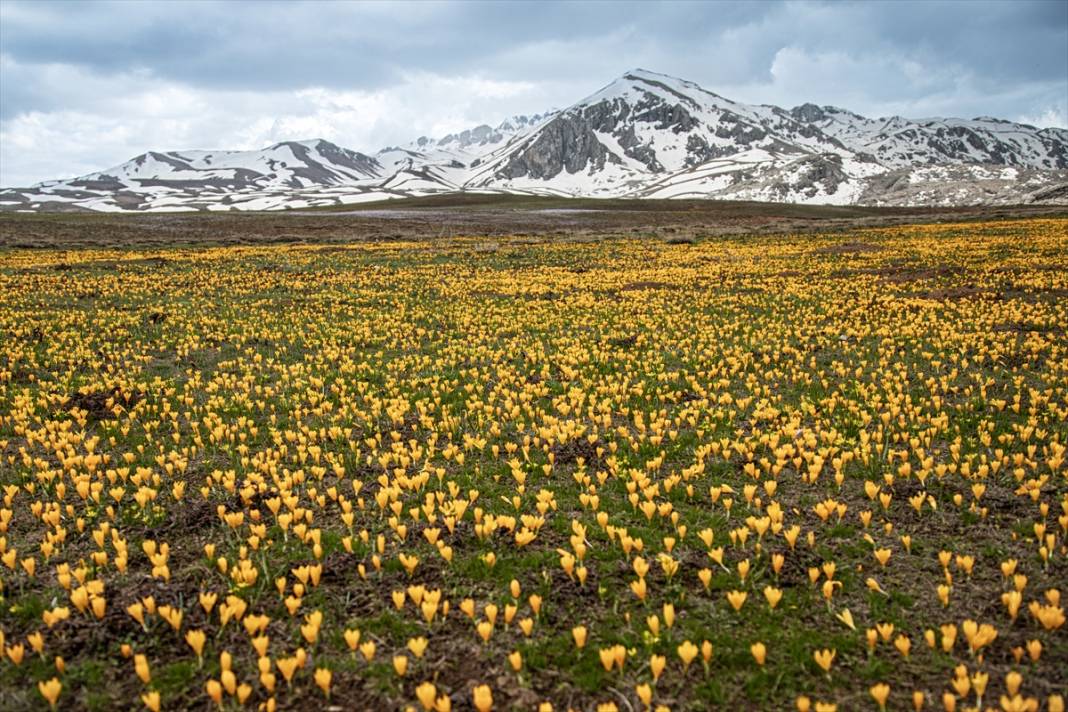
column 643, row 135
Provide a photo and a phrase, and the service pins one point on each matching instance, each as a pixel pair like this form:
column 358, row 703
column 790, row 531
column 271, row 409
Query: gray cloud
column 125, row 77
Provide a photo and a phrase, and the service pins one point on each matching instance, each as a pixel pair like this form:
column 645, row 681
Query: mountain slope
column 897, row 142
column 645, row 132
column 643, row 135
column 183, row 179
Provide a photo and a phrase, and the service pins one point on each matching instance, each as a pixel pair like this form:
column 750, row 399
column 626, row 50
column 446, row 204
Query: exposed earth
column 472, row 214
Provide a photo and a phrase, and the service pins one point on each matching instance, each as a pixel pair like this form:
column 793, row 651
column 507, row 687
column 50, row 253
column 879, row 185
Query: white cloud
column 888, row 83
column 120, row 116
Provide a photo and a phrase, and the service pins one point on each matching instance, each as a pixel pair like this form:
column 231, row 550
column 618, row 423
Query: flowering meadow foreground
column 811, row 472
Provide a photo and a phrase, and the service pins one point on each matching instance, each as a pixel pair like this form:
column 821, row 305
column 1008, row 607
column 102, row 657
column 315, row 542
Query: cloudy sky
column 87, row 85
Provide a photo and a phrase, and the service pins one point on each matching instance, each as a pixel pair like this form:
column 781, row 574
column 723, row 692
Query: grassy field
column 761, row 472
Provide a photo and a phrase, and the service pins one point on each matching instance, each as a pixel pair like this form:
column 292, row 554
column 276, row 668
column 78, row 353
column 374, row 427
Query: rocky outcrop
column 808, row 113
column 564, row 144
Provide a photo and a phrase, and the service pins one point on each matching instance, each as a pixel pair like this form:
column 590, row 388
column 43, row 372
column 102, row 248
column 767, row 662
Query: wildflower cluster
column 816, row 472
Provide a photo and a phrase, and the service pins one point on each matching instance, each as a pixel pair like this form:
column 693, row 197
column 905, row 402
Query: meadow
column 812, row 472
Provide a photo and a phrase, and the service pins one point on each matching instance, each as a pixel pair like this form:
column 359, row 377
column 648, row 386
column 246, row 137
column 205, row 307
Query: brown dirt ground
column 452, row 216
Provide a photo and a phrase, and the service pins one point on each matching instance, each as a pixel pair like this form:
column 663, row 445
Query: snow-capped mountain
column 899, row 143
column 178, row 180
column 643, row 135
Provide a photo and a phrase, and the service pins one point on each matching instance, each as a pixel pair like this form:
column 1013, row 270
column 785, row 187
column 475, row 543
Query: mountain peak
column 636, row 84
column 646, row 78
column 646, row 73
